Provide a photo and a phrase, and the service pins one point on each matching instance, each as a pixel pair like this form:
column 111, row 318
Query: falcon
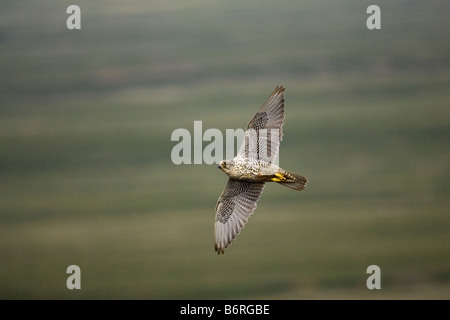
column 254, row 165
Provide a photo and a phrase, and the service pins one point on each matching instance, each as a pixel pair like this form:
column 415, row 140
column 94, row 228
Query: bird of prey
column 253, row 166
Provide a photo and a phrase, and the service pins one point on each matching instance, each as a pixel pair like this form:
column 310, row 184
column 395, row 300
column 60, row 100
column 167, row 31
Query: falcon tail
column 290, row 180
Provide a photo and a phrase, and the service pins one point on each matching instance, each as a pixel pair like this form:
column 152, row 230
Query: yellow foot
column 278, row 177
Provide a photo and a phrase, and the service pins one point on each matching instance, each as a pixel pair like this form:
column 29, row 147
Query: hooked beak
column 219, row 166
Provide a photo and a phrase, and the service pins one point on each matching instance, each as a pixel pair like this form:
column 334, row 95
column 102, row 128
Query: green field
column 86, row 176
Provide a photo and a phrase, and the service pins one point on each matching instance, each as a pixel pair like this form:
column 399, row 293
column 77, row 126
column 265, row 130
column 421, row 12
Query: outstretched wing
column 236, row 203
column 264, row 132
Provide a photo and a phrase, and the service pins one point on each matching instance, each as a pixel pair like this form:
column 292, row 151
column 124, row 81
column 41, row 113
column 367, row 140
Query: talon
column 279, row 177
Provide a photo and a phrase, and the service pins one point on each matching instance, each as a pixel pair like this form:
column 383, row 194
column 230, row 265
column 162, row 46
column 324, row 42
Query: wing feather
column 235, row 205
column 264, row 132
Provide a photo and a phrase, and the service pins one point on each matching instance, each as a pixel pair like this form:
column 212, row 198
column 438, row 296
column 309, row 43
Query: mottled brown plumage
column 252, row 167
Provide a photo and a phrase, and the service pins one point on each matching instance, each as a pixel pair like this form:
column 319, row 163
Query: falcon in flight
column 253, row 166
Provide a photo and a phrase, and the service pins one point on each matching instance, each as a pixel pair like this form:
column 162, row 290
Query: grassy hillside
column 86, row 176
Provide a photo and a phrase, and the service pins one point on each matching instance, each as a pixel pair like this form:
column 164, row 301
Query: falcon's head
column 225, row 165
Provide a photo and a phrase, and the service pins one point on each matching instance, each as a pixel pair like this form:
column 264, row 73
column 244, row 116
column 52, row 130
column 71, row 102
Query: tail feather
column 293, row 180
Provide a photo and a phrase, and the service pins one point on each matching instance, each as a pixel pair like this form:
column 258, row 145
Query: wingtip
column 279, row 89
column 219, row 250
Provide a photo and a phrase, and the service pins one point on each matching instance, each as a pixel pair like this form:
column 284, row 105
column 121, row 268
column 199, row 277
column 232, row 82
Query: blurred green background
column 86, row 177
